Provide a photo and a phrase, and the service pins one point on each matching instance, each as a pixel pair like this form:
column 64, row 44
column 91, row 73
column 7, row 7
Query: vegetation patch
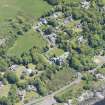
column 60, row 79
column 26, row 42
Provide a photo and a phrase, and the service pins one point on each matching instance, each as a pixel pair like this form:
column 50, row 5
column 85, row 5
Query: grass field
column 60, row 79
column 25, row 42
column 10, row 8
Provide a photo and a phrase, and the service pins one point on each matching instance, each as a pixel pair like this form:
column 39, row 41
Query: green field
column 26, row 42
column 11, row 8
column 29, row 8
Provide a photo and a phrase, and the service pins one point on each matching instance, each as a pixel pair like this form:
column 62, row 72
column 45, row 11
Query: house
column 52, row 38
column 103, row 8
column 81, row 98
column 79, row 25
column 80, row 39
column 57, row 60
column 21, row 94
column 68, row 19
column 85, row 4
column 100, row 76
column 14, row 67
column 69, row 102
column 31, row 88
column 43, row 21
column 56, row 14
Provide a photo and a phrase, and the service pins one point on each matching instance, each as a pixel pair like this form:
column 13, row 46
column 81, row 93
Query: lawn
column 10, row 8
column 4, row 90
column 26, row 42
column 55, row 51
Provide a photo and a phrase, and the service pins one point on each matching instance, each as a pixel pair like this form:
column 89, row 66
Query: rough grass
column 26, row 42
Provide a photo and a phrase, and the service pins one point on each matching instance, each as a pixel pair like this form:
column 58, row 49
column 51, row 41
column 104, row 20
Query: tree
column 69, row 32
column 5, row 101
column 12, row 94
column 11, row 77
column 49, row 30
column 41, row 87
column 22, row 85
column 52, row 22
column 53, row 2
column 3, row 65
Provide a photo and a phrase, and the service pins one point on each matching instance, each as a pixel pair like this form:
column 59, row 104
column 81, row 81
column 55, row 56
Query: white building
column 21, row 94
column 14, row 67
column 28, row 71
column 56, row 14
column 69, row 102
column 31, row 88
column 100, row 76
column 43, row 20
column 57, row 60
column 52, row 38
column 68, row 19
column 80, row 39
column 85, row 4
